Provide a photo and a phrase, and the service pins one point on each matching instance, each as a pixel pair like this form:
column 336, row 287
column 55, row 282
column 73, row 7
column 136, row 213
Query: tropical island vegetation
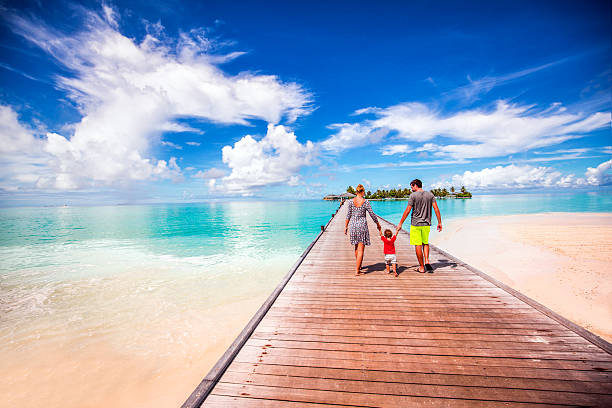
column 443, row 193
column 405, row 193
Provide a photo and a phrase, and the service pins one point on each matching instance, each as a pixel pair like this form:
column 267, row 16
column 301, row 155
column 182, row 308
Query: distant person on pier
column 421, row 203
column 359, row 233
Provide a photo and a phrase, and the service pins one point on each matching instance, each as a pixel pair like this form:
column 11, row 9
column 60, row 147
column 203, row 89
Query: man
column 421, row 202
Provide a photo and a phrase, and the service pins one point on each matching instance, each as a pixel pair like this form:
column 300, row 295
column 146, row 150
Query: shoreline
column 558, row 259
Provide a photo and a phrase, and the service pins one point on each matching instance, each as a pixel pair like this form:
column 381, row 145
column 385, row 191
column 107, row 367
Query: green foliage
column 442, row 192
column 439, row 192
column 351, row 190
column 393, row 193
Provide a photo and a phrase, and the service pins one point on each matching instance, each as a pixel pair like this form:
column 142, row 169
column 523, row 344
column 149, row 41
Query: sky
column 178, row 101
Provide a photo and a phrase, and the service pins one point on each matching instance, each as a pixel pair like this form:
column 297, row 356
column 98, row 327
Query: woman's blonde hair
column 360, row 188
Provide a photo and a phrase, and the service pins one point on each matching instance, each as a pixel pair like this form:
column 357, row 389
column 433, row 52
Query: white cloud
column 172, row 145
column 212, row 173
column 470, row 92
column 600, row 175
column 275, row 159
column 499, row 177
column 474, row 133
column 22, row 155
column 130, row 92
column 193, row 143
column 14, row 137
column 396, row 149
column 351, row 135
column 526, row 176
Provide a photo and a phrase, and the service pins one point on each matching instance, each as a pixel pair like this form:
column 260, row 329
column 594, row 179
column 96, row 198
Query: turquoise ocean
column 164, row 283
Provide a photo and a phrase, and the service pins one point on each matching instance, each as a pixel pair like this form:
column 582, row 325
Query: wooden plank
column 357, row 357
column 242, row 401
column 589, row 387
column 359, row 399
column 316, row 336
column 441, row 391
column 428, row 368
column 362, row 347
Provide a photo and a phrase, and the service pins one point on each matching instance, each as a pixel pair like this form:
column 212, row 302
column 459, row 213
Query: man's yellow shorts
column 419, row 235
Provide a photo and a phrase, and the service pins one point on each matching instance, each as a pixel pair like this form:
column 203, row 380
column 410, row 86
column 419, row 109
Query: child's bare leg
column 395, row 269
column 387, row 266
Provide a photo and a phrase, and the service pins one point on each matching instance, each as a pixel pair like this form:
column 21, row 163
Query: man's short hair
column 417, row 182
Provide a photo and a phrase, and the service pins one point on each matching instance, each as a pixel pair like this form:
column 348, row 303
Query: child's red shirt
column 389, row 244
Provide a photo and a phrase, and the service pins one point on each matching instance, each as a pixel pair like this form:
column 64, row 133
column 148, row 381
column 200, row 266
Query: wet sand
column 562, row 260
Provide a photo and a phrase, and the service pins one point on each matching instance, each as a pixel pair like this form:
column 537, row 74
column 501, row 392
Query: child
column 389, row 241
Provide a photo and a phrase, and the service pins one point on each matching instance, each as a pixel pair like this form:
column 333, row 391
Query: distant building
column 344, row 196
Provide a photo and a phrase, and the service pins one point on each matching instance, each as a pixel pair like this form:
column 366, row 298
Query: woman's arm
column 371, row 212
column 348, row 218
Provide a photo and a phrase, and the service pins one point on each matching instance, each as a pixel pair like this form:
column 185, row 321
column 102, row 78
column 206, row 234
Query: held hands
column 345, row 230
column 439, row 227
column 379, row 227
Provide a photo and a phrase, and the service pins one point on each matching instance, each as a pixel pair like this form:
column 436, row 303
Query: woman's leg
column 359, row 256
column 356, row 245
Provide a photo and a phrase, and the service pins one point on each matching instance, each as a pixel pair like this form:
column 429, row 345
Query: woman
column 360, row 235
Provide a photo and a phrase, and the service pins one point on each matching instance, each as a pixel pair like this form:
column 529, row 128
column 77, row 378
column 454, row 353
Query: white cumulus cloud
column 129, row 92
column 600, row 175
column 275, row 159
column 527, row 176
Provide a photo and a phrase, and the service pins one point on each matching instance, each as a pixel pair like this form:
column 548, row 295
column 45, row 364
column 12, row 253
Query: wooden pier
column 454, row 338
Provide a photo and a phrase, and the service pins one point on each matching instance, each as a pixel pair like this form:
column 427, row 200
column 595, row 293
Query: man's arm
column 406, row 212
column 437, row 211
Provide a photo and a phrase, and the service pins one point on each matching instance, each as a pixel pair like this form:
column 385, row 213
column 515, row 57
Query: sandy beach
column 562, row 260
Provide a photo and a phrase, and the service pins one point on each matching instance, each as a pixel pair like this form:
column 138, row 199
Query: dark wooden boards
column 453, row 338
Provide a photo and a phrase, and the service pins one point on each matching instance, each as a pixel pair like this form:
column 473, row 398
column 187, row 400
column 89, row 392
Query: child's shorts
column 390, row 259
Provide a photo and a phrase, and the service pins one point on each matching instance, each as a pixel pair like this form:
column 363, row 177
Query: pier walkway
column 454, row 338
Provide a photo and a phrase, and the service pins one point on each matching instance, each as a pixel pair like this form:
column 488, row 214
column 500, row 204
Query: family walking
column 420, row 203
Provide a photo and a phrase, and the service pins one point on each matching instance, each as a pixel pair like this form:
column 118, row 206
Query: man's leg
column 417, row 240
column 419, row 253
column 426, row 253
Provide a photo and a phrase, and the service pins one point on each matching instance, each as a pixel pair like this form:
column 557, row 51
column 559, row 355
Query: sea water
column 131, row 305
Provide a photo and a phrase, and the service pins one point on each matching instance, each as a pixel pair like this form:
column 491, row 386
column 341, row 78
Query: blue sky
column 106, row 102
